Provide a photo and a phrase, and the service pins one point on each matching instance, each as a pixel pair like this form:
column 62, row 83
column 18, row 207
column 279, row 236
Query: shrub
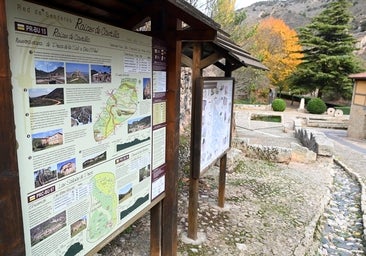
column 346, row 110
column 278, row 105
column 316, row 106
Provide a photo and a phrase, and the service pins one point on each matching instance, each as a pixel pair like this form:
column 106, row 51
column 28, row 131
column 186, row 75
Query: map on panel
column 216, row 119
column 103, row 215
column 83, row 94
column 120, row 106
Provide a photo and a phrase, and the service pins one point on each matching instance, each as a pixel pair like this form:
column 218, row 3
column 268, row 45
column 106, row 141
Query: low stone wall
column 314, row 144
column 328, row 122
column 269, row 153
column 315, row 141
column 296, row 152
column 251, row 107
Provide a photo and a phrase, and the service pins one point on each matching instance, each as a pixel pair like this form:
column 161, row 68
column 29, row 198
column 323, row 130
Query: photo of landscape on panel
column 49, row 72
column 77, row 73
column 101, row 73
column 40, row 97
column 48, row 228
column 45, row 175
column 81, row 115
column 48, row 139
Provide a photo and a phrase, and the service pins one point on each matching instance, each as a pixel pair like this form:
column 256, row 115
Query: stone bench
column 328, row 122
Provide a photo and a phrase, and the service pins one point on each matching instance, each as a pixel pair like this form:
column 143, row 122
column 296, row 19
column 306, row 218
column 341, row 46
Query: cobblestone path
column 341, row 225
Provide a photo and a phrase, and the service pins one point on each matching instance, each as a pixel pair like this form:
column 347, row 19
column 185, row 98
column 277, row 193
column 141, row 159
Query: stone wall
column 357, row 122
column 314, row 144
column 315, row 141
column 186, row 94
column 185, row 100
column 295, row 152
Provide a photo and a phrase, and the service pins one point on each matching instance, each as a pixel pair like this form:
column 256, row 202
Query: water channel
column 341, row 226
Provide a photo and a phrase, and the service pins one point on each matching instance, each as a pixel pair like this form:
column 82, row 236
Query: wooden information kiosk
column 90, row 110
column 90, row 106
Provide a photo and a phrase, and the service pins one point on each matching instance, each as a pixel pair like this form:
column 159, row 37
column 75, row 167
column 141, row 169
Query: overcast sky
column 238, row 3
column 244, row 3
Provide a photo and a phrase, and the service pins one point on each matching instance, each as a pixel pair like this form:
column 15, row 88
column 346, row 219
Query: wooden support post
column 195, row 148
column 223, row 159
column 222, row 181
column 155, row 229
column 193, row 209
column 170, row 202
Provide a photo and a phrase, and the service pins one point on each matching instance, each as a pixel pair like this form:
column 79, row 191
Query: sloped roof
column 359, row 76
column 223, row 47
column 242, row 56
column 129, row 14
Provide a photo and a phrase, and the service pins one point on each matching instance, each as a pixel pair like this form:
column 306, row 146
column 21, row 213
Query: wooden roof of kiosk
column 358, row 76
column 167, row 17
column 221, row 48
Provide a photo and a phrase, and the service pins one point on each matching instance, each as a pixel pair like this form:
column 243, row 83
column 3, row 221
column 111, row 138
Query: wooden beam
column 196, row 123
column 220, row 65
column 196, row 35
column 213, row 58
column 187, row 61
column 223, row 159
column 155, row 229
column 170, row 203
column 193, row 209
column 186, row 35
column 190, row 15
column 196, row 127
column 229, row 67
column 222, row 181
column 11, row 225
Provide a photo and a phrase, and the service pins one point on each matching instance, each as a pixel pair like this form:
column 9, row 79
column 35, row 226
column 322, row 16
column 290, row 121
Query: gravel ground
column 271, row 209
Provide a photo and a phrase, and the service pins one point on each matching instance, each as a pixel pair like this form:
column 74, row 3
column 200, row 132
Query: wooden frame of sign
column 15, row 232
column 210, row 138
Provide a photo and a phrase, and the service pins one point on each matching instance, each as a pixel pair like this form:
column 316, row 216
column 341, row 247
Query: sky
column 48, row 66
column 238, row 3
column 244, row 3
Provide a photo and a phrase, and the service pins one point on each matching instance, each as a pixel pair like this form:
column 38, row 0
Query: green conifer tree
column 328, row 50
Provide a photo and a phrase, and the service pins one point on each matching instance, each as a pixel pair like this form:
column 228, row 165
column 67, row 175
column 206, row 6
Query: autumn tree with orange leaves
column 277, row 46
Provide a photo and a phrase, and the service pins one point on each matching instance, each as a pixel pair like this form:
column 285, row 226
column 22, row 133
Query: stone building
column 357, row 121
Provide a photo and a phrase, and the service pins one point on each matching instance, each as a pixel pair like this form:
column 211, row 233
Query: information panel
column 159, row 118
column 217, row 102
column 83, row 115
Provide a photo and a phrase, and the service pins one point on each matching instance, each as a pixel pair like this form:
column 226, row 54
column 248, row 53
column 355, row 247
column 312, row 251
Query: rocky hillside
column 298, row 13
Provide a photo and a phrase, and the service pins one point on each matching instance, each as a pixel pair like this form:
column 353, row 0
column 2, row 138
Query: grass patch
column 266, row 118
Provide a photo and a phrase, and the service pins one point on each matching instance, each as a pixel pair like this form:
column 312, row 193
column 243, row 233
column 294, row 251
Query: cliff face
column 298, row 13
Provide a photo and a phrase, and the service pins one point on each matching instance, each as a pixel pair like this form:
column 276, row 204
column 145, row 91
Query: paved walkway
column 351, row 152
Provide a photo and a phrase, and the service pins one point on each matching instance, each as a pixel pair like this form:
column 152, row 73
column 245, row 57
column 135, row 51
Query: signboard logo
column 30, row 28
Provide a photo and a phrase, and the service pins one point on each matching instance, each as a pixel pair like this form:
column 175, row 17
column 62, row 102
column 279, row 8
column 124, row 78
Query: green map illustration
column 121, row 105
column 103, row 216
